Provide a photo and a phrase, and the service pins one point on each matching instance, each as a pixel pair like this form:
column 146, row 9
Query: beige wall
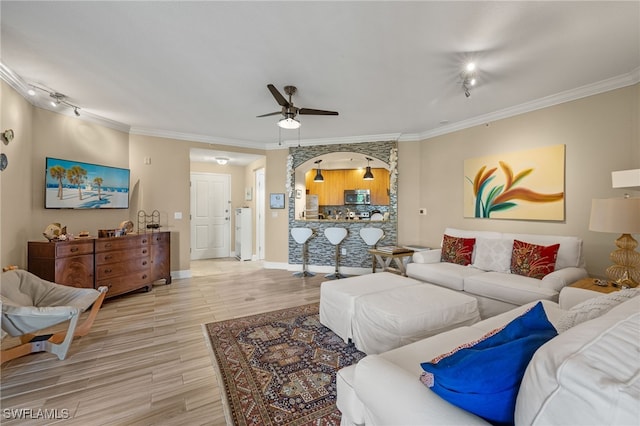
column 276, row 220
column 16, row 180
column 163, row 185
column 600, row 133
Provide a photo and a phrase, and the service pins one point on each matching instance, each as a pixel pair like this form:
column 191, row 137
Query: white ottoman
column 396, row 317
column 337, row 297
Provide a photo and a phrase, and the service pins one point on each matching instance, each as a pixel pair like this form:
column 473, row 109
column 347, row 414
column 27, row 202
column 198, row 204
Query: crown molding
column 613, row 83
column 20, row 86
column 192, row 137
column 633, row 77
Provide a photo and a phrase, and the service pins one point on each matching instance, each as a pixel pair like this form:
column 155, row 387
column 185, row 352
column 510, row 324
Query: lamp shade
column 615, row 215
column 319, row 177
column 289, row 123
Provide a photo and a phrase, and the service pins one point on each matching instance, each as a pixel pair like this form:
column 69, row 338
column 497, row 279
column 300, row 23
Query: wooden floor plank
column 145, row 360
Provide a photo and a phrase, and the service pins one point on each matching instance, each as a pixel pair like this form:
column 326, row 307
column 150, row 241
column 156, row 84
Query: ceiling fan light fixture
column 289, row 123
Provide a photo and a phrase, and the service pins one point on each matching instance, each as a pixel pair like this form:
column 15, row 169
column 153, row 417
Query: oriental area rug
column 279, row 368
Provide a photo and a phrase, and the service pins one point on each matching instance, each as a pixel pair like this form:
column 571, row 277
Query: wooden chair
column 30, row 304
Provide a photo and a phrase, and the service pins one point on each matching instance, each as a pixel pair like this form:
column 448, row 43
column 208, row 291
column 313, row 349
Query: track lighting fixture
column 367, row 174
column 57, row 98
column 319, row 177
column 468, row 78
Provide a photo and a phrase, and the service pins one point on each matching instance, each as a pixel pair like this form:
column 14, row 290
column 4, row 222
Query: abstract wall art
column 526, row 185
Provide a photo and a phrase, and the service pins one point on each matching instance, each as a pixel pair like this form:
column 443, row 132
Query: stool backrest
column 301, row 235
column 335, row 235
column 371, row 236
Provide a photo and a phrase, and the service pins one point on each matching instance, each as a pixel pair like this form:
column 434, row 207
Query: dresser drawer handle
column 107, row 245
column 144, row 251
column 108, row 257
column 107, row 271
column 144, row 241
column 144, row 277
column 144, row 263
column 74, row 249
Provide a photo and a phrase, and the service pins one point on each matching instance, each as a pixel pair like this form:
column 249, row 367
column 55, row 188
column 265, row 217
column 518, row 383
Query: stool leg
column 304, row 272
column 336, row 275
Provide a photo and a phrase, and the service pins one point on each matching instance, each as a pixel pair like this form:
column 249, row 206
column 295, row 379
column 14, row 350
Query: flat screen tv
column 76, row 185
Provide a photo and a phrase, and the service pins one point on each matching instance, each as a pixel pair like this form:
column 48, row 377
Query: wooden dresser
column 63, row 262
column 122, row 264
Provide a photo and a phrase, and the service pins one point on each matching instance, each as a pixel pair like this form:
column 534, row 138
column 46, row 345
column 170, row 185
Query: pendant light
column 319, row 177
column 367, row 174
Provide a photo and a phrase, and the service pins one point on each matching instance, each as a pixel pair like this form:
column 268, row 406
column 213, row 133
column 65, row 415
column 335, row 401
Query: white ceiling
column 199, row 70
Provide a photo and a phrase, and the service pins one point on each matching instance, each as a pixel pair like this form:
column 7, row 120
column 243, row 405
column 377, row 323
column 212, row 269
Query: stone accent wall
column 321, row 251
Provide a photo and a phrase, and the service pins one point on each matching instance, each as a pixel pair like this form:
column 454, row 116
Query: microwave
column 357, row 196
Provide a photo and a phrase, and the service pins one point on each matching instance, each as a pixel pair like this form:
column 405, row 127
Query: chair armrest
column 561, row 278
column 571, row 296
column 427, row 256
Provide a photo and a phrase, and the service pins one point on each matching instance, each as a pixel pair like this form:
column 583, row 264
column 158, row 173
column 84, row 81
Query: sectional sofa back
column 569, row 254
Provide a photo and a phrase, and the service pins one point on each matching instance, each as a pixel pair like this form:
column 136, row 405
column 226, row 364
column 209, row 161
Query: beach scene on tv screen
column 76, row 185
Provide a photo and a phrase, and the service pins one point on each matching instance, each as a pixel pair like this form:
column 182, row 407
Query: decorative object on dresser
column 620, row 216
column 54, row 231
column 122, row 264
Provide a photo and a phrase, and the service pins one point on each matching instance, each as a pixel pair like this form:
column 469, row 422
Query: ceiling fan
column 289, row 111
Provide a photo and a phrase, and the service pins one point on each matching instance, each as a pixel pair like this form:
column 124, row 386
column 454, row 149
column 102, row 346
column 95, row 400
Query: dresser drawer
column 119, row 285
column 121, row 243
column 123, row 268
column 159, row 238
column 73, row 248
column 108, row 257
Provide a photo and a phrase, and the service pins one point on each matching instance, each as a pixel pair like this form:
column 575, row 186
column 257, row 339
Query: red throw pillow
column 457, row 250
column 532, row 260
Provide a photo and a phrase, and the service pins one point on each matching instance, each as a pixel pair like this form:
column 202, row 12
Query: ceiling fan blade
column 310, row 111
column 271, row 113
column 279, row 98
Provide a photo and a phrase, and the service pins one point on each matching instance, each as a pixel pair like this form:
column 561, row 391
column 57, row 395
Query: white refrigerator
column 244, row 234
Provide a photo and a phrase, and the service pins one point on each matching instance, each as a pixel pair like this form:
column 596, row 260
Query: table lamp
column 620, row 216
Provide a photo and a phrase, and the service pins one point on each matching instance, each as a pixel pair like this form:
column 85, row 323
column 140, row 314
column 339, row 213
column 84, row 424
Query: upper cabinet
column 331, row 191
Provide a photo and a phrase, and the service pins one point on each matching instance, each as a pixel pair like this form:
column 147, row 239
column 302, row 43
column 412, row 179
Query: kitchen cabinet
column 331, row 191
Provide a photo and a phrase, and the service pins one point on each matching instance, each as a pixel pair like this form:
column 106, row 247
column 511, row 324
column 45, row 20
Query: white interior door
column 210, row 215
column 260, row 212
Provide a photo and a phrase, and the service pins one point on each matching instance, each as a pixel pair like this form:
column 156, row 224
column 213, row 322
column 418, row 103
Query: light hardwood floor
column 146, row 360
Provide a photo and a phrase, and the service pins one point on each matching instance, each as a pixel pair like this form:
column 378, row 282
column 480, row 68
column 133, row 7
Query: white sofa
column 488, row 277
column 587, row 375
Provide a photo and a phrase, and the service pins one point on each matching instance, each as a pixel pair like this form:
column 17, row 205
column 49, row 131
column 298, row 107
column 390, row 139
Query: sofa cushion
column 569, row 253
column 511, row 288
column 483, row 377
column 532, row 260
column 457, row 250
column 593, row 308
column 445, row 274
column 493, row 254
column 586, row 375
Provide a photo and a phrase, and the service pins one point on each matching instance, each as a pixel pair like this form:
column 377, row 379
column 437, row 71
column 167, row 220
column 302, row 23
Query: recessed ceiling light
column 471, row 66
column 222, row 160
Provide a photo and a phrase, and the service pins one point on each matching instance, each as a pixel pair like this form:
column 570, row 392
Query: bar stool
column 301, row 236
column 335, row 237
column 371, row 236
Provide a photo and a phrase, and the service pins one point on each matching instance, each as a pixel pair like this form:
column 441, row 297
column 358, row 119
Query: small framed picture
column 298, row 194
column 248, row 193
column 276, row 201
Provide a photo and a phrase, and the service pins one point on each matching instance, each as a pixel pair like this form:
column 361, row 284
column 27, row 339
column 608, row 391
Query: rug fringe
column 214, row 363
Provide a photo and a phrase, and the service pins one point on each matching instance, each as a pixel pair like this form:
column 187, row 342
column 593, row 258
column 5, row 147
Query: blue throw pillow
column 484, row 378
